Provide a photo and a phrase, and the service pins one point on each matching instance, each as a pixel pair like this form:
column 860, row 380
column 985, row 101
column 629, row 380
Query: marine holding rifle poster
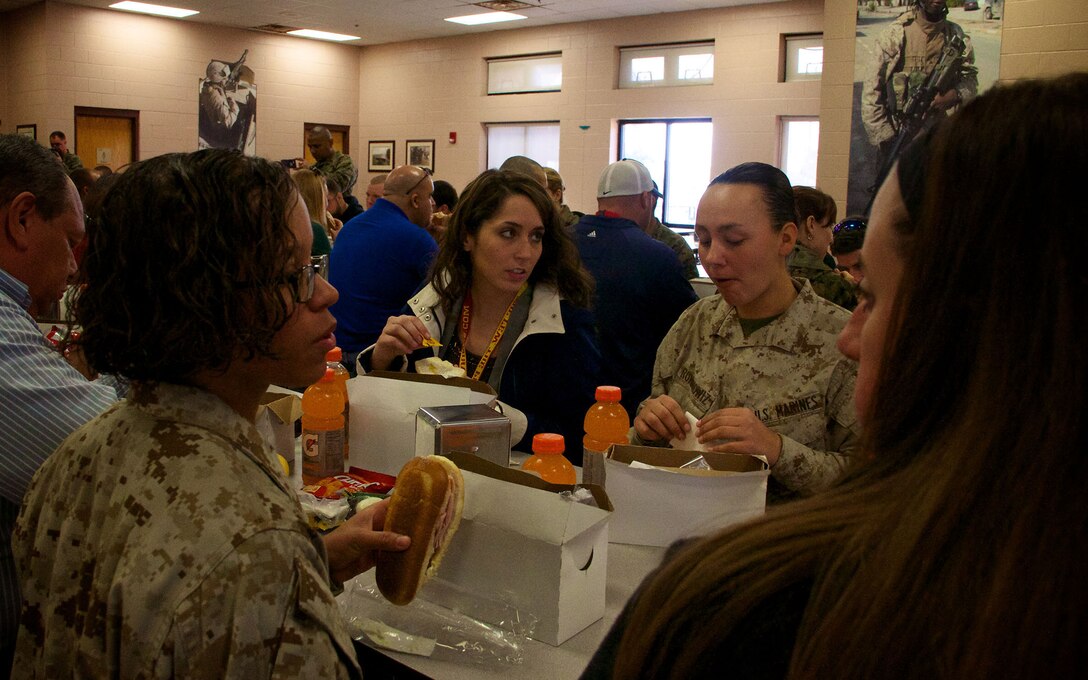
column 916, row 61
column 228, row 107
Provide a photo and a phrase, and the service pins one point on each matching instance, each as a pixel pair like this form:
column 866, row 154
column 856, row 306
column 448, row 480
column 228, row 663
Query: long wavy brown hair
column 957, row 552
column 559, row 264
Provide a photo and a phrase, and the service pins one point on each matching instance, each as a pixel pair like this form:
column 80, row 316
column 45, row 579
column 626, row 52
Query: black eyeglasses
column 305, row 278
column 850, row 225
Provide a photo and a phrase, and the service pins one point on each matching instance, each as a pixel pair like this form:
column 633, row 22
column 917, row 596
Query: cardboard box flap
column 477, row 386
column 523, row 503
column 284, row 404
column 674, row 458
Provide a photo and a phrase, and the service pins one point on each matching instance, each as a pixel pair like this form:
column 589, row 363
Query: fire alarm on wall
column 453, row 138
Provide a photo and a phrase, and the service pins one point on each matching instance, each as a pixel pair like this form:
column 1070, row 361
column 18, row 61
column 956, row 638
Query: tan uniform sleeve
column 266, row 611
column 874, row 105
column 805, row 469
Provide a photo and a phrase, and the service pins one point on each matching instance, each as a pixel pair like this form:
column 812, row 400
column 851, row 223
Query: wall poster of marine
column 915, row 62
column 228, row 106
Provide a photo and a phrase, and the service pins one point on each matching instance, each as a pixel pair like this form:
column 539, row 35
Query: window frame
column 671, row 53
column 487, row 125
column 792, row 43
column 664, row 186
column 783, row 142
column 525, row 58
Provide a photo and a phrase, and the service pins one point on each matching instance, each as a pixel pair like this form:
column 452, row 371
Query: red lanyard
column 466, row 323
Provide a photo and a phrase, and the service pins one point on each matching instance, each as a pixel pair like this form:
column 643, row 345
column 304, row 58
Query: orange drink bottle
column 606, row 421
column 322, row 429
column 341, row 376
column 548, row 460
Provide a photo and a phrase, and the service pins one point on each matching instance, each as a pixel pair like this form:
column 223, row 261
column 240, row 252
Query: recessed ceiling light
column 488, row 18
column 159, row 10
column 322, row 35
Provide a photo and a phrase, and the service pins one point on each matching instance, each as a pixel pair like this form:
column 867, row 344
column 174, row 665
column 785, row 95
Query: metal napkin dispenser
column 472, row 428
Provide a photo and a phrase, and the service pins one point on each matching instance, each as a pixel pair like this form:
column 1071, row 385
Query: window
column 539, row 141
column 804, row 57
column 664, row 65
column 536, row 73
column 677, row 153
column 799, row 149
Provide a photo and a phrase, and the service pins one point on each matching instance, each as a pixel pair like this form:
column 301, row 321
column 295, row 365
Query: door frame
column 96, row 112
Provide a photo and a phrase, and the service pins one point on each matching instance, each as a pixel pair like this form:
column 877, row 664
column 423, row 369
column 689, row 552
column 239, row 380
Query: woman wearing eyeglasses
column 508, row 301
column 178, row 547
column 756, row 365
column 809, row 259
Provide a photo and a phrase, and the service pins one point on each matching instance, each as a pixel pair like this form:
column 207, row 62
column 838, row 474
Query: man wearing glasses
column 381, row 258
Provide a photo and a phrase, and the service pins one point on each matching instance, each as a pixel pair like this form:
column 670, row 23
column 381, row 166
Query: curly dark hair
column 184, row 270
column 559, row 264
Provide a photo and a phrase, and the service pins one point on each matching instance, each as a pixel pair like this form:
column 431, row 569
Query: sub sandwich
column 426, row 504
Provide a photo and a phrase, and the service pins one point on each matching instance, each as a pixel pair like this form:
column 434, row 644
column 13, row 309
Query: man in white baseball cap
column 641, row 288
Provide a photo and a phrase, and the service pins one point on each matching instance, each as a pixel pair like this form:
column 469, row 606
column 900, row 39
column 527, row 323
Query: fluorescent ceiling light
column 488, row 18
column 322, row 35
column 159, row 10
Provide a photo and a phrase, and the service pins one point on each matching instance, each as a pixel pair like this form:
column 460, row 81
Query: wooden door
column 106, row 137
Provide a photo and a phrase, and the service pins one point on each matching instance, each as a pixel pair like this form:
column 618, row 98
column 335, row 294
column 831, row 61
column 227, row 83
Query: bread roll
column 426, row 504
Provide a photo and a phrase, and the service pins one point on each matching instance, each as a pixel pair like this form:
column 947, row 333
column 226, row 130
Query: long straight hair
column 956, row 552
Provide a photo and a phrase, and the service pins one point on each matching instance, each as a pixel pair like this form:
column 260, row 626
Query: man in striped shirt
column 43, row 398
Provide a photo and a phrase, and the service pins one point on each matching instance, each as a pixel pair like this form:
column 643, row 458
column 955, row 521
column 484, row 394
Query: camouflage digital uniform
column 788, row 372
column 679, row 246
column 906, row 52
column 161, row 540
column 828, row 283
column 340, row 168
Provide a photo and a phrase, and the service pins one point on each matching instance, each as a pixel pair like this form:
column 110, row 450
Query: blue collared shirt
column 43, row 399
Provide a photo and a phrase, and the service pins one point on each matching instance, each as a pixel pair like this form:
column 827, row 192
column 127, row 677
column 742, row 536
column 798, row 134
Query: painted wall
column 61, row 56
column 426, row 89
column 55, row 56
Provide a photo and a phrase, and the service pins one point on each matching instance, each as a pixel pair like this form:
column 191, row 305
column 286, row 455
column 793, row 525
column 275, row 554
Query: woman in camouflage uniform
column 757, row 364
column 816, row 211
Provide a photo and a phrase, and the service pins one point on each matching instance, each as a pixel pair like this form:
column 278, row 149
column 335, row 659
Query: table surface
column 627, row 566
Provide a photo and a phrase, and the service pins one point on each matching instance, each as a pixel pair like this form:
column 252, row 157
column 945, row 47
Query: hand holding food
column 426, row 504
column 742, row 432
column 661, row 418
column 353, row 546
column 401, row 335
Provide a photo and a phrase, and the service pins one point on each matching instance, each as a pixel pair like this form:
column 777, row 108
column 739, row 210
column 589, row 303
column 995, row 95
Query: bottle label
column 322, row 452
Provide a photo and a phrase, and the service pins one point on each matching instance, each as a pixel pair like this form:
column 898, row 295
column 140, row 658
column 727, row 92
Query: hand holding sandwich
column 353, row 546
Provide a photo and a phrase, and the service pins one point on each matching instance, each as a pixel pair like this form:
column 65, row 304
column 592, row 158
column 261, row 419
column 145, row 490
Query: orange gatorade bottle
column 548, row 460
column 340, row 376
column 322, row 429
column 606, row 421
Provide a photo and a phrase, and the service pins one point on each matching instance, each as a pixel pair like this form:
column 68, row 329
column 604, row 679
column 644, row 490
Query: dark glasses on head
column 850, row 225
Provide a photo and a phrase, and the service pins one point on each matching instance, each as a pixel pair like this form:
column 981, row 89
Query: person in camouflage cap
column 178, row 547
column 756, row 364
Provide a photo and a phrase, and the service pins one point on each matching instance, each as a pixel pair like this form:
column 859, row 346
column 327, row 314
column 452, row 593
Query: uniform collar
column 782, row 333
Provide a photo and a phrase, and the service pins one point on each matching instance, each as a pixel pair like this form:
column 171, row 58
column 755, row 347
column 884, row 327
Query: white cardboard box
column 276, row 416
column 657, row 506
column 384, row 405
column 521, row 543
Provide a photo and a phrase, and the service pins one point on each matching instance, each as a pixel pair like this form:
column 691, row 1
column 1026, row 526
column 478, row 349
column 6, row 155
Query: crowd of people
column 925, row 504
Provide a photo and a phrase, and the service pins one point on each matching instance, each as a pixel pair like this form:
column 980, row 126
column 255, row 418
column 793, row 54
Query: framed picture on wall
column 421, row 152
column 27, row 131
column 380, row 156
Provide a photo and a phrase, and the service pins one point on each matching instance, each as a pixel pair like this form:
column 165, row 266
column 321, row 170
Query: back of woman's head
column 184, row 268
column 777, row 192
column 815, row 203
column 312, row 187
column 559, row 264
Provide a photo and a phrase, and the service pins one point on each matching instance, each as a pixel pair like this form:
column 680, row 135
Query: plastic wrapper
column 355, row 480
column 426, row 629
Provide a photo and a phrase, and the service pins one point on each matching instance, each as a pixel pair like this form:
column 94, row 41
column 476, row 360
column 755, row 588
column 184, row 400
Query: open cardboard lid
column 523, row 503
column 474, row 385
column 674, row 458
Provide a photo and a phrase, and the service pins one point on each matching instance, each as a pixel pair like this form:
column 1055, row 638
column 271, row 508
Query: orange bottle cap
column 608, row 393
column 548, row 443
column 334, row 354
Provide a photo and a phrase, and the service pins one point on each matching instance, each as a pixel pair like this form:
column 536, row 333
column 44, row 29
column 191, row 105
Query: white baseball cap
column 624, row 178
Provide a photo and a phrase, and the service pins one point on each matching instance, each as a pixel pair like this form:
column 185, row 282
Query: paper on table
column 690, row 442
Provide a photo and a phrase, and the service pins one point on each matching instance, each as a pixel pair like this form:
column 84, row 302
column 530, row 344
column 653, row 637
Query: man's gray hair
column 25, row 165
